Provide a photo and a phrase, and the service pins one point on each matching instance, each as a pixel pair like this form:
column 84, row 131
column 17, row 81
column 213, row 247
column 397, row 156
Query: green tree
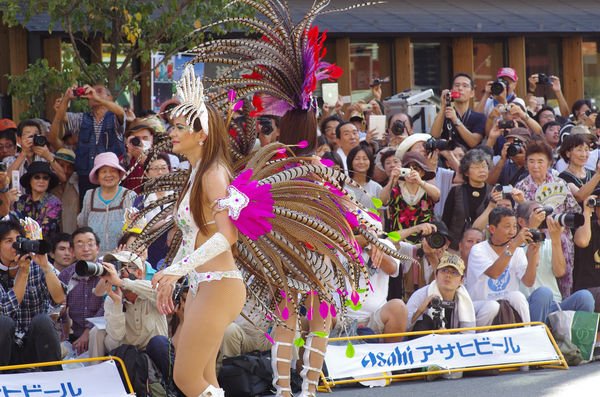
column 132, row 29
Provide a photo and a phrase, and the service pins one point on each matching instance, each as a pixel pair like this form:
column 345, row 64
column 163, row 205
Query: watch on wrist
column 507, row 252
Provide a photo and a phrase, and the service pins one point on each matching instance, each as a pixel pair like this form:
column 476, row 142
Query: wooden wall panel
column 403, row 64
column 516, row 60
column 342, row 59
column 17, row 38
column 572, row 82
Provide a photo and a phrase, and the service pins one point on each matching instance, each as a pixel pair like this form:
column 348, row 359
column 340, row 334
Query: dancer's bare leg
column 214, row 307
column 281, row 351
column 314, row 352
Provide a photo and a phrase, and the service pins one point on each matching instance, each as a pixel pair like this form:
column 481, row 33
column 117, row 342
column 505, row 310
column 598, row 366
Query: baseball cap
column 507, row 72
column 5, row 124
column 451, row 260
column 356, row 116
column 520, row 133
column 66, row 155
column 125, row 257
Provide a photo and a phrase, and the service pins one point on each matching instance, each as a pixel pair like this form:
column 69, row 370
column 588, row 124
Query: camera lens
column 498, row 87
column 570, row 220
column 513, row 149
column 89, row 269
column 39, row 140
column 135, row 141
column 26, row 246
column 398, row 127
column 436, row 240
column 537, row 236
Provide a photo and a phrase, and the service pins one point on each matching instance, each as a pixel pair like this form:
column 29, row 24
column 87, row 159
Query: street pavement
column 580, row 381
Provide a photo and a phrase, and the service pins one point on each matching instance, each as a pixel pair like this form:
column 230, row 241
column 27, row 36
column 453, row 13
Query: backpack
column 141, row 370
column 247, row 375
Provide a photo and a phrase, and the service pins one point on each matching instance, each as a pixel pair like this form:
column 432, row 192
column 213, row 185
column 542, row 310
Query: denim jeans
column 542, row 303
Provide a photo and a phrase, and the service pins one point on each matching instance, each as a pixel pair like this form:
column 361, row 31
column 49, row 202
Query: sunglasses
column 42, row 177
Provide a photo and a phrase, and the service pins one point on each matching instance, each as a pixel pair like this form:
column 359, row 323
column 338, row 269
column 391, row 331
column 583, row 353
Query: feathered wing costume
column 290, row 212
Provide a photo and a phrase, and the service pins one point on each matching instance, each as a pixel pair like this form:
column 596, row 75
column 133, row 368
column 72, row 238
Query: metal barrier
column 561, row 363
column 75, row 361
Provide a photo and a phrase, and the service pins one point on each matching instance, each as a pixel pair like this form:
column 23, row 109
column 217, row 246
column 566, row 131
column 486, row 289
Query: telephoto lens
column 593, row 202
column 135, row 141
column 89, row 269
column 497, row 87
column 26, row 246
column 39, row 140
column 398, row 127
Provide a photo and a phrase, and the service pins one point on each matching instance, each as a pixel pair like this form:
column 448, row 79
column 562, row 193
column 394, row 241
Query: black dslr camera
column 544, row 79
column 436, row 240
column 135, row 141
column 514, row 148
column 593, row 202
column 91, row 269
column 498, row 86
column 39, row 140
column 440, row 144
column 537, row 236
column 26, row 246
column 398, row 128
column 437, row 304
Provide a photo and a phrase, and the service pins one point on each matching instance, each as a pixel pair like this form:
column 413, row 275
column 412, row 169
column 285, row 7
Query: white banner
column 516, row 345
column 99, row 380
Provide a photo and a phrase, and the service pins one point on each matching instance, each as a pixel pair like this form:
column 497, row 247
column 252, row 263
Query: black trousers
column 40, row 344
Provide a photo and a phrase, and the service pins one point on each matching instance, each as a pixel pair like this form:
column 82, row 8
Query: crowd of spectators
column 496, row 203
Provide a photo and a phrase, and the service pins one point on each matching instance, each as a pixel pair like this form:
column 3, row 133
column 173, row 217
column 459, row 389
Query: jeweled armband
column 213, row 247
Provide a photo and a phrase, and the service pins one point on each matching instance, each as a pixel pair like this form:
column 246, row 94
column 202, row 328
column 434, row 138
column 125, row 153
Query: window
column 369, row 60
column 433, row 65
column 489, row 55
column 544, row 56
column 591, row 70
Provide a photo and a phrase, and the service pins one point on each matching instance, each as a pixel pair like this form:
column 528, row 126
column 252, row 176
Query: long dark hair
column 296, row 126
column 353, row 153
column 214, row 151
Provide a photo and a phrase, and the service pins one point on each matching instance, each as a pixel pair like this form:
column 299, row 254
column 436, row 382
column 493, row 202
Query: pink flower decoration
column 253, row 219
column 282, row 150
column 302, row 144
column 309, row 313
column 324, row 310
column 354, row 297
column 327, row 162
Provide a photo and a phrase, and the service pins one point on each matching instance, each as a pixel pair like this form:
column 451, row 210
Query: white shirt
column 544, row 276
column 443, row 181
column 372, row 188
column 343, row 156
column 489, row 105
column 483, row 287
column 376, row 297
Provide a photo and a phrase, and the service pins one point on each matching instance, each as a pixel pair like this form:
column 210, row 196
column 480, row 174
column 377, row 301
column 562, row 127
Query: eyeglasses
column 42, row 177
column 450, row 270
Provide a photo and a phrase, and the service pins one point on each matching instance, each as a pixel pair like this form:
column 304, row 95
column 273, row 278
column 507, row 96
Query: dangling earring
column 201, row 143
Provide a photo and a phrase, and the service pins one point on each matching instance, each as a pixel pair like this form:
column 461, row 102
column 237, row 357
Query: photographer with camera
column 33, row 148
column 499, row 264
column 99, row 130
column 542, row 80
column 139, row 139
column 268, row 129
column 582, row 181
column 586, row 271
column 132, row 317
column 538, row 157
column 445, row 302
column 544, row 297
column 456, row 120
column 409, row 196
column 28, row 287
column 510, row 168
column 501, row 91
column 82, row 303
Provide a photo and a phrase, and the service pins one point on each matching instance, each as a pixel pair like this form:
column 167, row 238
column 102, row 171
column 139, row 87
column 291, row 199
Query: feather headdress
column 191, row 92
column 285, row 62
